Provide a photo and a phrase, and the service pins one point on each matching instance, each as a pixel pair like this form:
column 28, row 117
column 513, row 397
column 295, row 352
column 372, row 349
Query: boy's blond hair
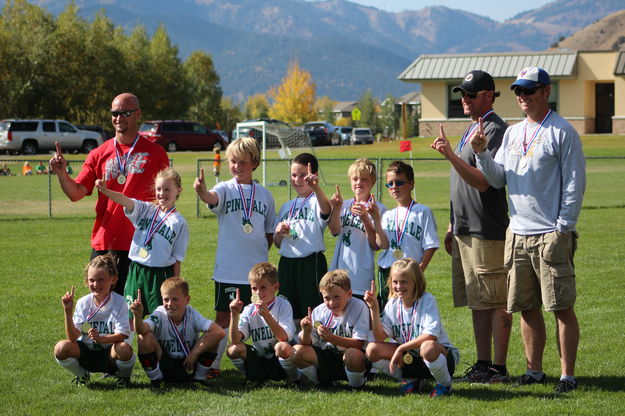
column 363, row 167
column 409, row 268
column 264, row 270
column 175, row 283
column 242, row 147
column 335, row 278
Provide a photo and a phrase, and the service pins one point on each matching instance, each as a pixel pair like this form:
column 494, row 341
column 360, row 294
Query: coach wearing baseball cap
column 477, row 231
column 541, row 162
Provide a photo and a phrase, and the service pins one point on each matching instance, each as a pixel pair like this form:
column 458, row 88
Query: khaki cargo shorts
column 479, row 279
column 541, row 271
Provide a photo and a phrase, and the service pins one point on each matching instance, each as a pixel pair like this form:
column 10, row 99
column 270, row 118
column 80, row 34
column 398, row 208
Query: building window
column 454, row 103
column 553, row 96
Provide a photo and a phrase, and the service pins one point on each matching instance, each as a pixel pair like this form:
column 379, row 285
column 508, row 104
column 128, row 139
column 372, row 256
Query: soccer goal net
column 276, row 135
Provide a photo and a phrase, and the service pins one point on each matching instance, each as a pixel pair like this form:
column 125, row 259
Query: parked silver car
column 361, row 135
column 345, row 133
column 30, row 136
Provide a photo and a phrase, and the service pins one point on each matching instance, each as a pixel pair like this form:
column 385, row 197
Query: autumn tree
column 256, row 106
column 294, row 99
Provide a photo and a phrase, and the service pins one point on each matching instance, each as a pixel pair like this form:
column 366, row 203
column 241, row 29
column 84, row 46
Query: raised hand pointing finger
column 238, row 295
column 442, row 132
column 58, row 148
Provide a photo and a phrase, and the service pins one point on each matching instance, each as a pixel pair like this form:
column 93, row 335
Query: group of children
column 344, row 323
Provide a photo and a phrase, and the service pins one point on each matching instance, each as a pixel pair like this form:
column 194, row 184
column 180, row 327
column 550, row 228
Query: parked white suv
column 30, row 136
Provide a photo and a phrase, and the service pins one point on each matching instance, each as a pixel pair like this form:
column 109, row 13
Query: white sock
column 124, row 368
column 155, row 374
column 439, row 370
column 289, row 368
column 239, row 363
column 200, row 371
column 72, row 365
column 355, row 379
column 220, row 352
column 311, row 373
column 383, row 367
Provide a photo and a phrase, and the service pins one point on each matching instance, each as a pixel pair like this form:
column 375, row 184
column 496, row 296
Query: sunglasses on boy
column 471, row 95
column 390, row 184
column 123, row 113
column 527, row 91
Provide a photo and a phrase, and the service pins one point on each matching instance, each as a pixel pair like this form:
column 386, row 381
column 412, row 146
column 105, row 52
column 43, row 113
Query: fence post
column 49, row 194
column 197, row 198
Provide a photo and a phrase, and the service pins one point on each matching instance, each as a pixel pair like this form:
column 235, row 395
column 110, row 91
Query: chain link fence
column 39, row 195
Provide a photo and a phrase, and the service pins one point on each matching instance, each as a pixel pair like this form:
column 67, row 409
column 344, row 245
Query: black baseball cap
column 476, row 81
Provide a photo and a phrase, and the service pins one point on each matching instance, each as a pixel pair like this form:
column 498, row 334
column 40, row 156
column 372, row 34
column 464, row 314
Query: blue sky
column 497, row 10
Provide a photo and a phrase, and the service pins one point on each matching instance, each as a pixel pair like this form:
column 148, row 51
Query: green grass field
column 41, row 258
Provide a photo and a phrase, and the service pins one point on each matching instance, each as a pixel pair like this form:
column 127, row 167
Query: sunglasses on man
column 471, row 95
column 526, row 91
column 123, row 113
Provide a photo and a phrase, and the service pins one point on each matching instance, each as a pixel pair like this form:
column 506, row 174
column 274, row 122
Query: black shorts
column 96, row 361
column 259, row 368
column 330, row 366
column 227, row 292
column 173, row 369
column 418, row 369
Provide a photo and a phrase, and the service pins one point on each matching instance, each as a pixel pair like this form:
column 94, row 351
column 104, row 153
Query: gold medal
column 143, row 253
column 121, row 179
column 255, row 298
column 247, row 228
column 524, row 162
column 408, row 359
column 85, row 327
column 317, row 324
column 398, row 254
column 190, row 370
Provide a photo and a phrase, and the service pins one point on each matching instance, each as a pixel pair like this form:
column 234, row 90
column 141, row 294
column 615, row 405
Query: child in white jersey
column 160, row 241
column 410, row 227
column 246, row 214
column 97, row 333
column 176, row 343
column 299, row 236
column 334, row 334
column 357, row 223
column 268, row 320
column 419, row 347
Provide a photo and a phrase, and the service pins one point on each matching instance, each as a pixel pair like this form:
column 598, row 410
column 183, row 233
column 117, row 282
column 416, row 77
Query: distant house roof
column 344, row 106
column 559, row 64
column 619, row 68
column 410, row 98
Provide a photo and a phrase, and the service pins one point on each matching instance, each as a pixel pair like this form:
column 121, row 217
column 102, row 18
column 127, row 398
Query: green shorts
column 299, row 281
column 418, row 369
column 541, row 271
column 96, row 361
column 382, row 283
column 227, row 292
column 149, row 280
column 258, row 368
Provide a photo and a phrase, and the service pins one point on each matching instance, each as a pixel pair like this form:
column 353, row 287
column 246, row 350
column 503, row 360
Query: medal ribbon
column 247, row 210
column 528, row 146
column 256, row 307
column 470, row 130
column 177, row 334
column 400, row 318
column 400, row 231
column 293, row 212
column 153, row 227
column 122, row 166
column 92, row 314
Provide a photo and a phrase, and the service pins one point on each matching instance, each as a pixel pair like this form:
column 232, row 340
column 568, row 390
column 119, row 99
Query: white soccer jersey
column 160, row 326
column 402, row 324
column 251, row 324
column 237, row 251
column 353, row 252
column 169, row 242
column 354, row 323
column 420, row 234
column 309, row 226
column 112, row 318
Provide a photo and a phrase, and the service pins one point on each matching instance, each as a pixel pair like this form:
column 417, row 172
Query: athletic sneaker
column 440, row 391
column 415, row 386
column 496, row 377
column 157, row 384
column 475, row 374
column 122, row 381
column 213, row 373
column 526, row 380
column 81, row 381
column 565, row 386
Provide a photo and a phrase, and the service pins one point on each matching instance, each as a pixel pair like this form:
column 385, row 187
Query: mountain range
column 348, row 48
